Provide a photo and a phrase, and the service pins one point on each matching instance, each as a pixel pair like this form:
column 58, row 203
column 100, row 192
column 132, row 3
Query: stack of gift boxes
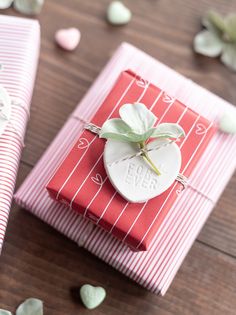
column 70, row 188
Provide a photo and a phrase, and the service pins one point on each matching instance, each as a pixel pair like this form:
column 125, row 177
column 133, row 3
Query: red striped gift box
column 154, row 269
column 19, row 49
column 81, row 180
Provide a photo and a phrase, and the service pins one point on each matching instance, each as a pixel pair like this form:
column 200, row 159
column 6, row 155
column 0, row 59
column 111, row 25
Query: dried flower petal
column 214, row 22
column 230, row 28
column 208, row 44
column 228, row 56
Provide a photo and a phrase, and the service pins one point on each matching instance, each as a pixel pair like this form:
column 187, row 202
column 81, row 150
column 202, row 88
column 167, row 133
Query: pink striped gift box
column 19, row 49
column 155, row 268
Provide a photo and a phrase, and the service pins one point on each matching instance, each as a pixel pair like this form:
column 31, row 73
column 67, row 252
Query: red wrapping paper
column 81, row 181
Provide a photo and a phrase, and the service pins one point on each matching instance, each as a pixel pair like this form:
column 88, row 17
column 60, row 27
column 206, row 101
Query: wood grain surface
column 39, row 262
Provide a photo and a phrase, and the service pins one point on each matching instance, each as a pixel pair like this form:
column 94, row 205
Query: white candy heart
column 92, row 296
column 4, row 4
column 68, row 39
column 118, row 13
column 133, row 178
column 28, row 6
column 228, row 122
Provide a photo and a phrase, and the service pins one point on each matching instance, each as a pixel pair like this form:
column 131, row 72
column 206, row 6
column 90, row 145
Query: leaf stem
column 148, row 160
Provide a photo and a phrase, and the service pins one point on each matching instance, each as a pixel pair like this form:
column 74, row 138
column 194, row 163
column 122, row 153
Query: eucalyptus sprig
column 136, row 125
column 218, row 38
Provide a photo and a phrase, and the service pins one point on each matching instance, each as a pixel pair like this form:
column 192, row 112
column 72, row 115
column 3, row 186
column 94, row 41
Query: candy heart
column 68, row 39
column 92, row 296
column 118, row 13
column 133, row 178
column 228, row 122
column 28, row 6
column 4, row 4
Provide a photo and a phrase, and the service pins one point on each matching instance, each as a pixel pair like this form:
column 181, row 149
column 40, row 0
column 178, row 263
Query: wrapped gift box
column 81, row 180
column 154, row 269
column 19, row 49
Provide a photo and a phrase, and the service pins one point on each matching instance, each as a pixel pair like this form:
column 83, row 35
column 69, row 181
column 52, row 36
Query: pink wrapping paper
column 19, row 48
column 156, row 268
column 82, row 182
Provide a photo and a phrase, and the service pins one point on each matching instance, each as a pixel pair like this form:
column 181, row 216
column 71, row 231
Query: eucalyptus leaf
column 208, row 44
column 228, row 56
column 230, row 28
column 115, row 129
column 4, row 312
column 134, row 137
column 168, row 130
column 30, row 306
column 137, row 117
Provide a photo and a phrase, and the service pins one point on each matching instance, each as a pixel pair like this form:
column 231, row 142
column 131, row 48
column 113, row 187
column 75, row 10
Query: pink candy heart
column 68, row 38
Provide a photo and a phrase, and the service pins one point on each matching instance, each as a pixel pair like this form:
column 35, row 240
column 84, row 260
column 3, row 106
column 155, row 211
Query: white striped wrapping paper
column 19, row 48
column 156, row 268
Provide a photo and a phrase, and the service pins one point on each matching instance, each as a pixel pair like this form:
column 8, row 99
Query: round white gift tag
column 134, row 178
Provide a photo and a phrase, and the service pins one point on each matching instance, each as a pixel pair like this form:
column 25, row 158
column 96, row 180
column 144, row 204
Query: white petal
column 4, row 4
column 4, row 312
column 167, row 130
column 208, row 44
column 137, row 117
column 30, row 307
column 228, row 56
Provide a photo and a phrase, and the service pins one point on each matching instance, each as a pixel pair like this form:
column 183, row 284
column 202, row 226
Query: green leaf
column 168, row 130
column 228, row 56
column 134, row 137
column 137, row 117
column 30, row 307
column 4, row 312
column 115, row 129
column 230, row 28
column 208, row 44
column 213, row 21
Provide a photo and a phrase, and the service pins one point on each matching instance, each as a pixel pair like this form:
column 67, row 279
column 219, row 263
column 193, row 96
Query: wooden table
column 39, row 262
